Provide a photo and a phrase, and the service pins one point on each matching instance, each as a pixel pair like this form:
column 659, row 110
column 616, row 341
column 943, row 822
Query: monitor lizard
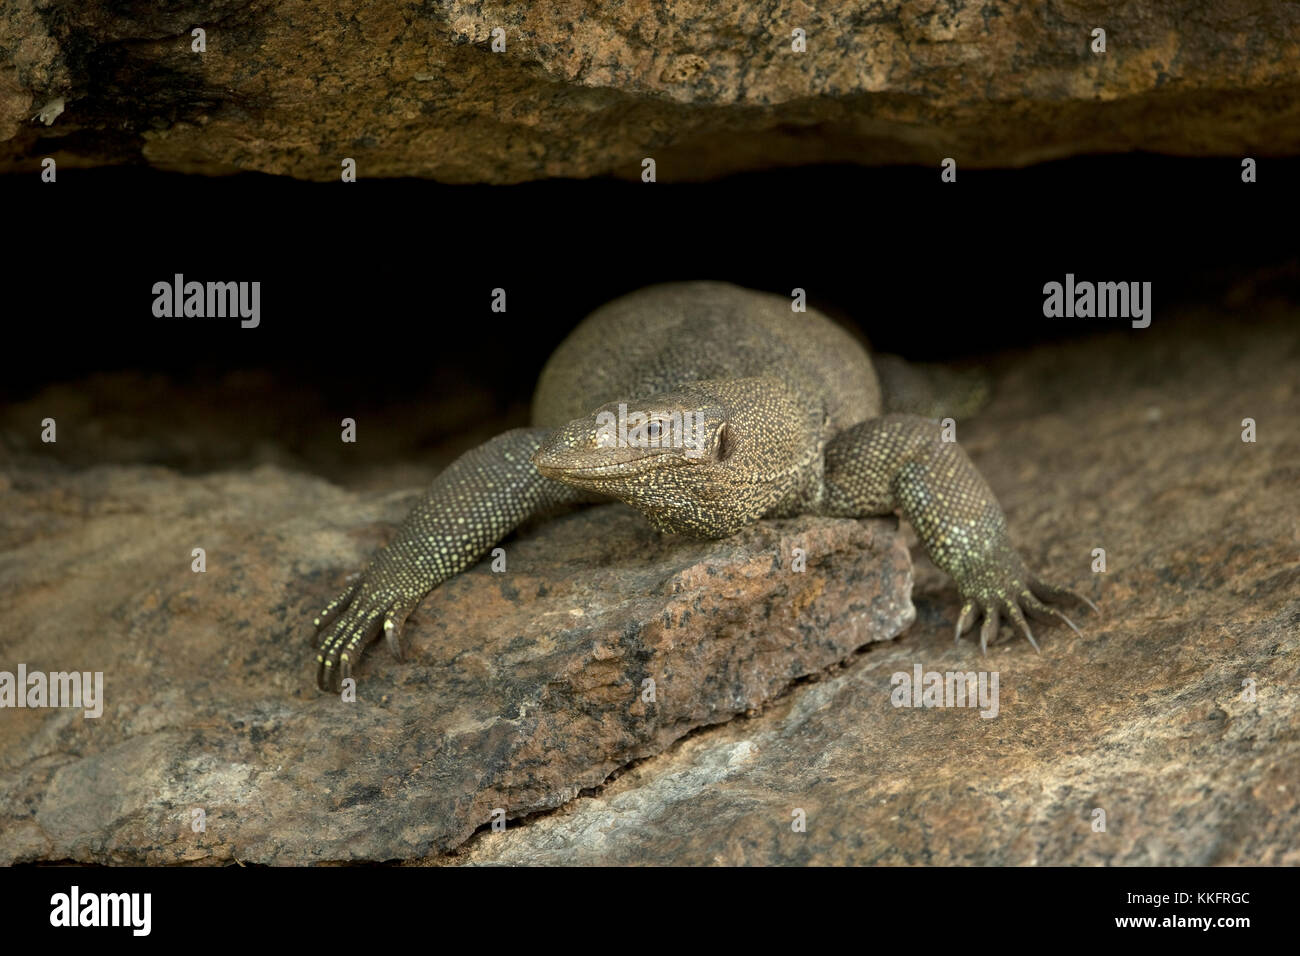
column 788, row 412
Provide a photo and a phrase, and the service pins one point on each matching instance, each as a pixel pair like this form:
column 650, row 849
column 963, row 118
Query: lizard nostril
column 546, row 457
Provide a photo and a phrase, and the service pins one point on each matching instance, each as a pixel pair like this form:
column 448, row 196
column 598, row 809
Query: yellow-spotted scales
column 706, row 407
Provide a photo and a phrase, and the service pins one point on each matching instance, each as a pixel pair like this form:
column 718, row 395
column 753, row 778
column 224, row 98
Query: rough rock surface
column 521, row 688
column 1130, row 442
column 590, row 87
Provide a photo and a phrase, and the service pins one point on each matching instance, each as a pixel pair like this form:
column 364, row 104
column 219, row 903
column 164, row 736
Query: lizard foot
column 1006, row 589
column 349, row 622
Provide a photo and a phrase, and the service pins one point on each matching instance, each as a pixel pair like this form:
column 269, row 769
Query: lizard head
column 705, row 459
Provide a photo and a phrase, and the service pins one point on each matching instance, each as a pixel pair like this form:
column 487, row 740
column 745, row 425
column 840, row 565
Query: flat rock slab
column 520, row 690
column 1175, row 715
column 591, row 88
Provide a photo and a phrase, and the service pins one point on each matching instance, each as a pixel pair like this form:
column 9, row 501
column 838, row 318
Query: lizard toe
column 394, row 620
column 1052, row 592
column 1017, row 617
column 332, row 610
column 1042, row 612
column 989, row 629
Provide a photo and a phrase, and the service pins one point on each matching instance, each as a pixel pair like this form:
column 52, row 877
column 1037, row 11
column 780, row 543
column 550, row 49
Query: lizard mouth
column 566, row 464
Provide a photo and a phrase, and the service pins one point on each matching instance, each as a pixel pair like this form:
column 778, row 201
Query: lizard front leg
column 900, row 462
column 470, row 506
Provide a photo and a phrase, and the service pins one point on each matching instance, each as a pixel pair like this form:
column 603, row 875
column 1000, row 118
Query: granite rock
column 591, row 88
column 521, row 688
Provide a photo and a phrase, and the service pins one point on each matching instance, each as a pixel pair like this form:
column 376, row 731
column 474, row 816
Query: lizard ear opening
column 726, row 442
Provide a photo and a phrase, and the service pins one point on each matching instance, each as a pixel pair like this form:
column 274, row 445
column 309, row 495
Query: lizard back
column 665, row 336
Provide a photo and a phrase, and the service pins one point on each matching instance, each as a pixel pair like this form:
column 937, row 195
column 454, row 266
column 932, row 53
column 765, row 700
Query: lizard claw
column 989, row 628
column 966, row 619
column 1003, row 588
column 1051, row 592
column 348, row 624
column 393, row 634
column 1017, row 616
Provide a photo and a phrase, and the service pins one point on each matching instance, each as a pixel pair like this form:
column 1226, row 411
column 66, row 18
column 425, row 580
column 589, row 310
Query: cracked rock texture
column 521, row 688
column 582, row 89
column 1130, row 442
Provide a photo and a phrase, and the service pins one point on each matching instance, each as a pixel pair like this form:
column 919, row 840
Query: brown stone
column 521, row 688
column 591, row 88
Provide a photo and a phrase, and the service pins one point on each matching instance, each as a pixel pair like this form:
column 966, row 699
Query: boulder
column 505, row 92
column 599, row 643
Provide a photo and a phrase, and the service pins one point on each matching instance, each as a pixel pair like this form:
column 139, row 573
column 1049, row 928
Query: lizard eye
column 653, row 431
